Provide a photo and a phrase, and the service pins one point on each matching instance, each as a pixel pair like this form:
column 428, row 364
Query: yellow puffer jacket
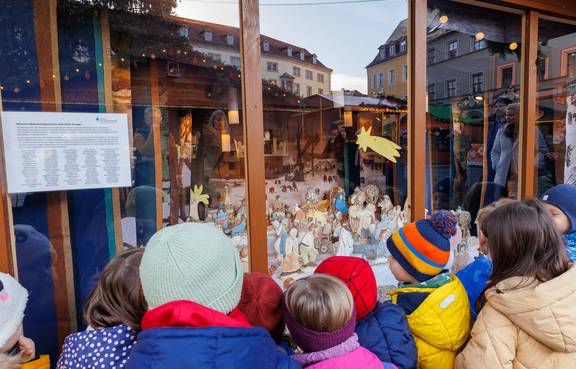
column 439, row 318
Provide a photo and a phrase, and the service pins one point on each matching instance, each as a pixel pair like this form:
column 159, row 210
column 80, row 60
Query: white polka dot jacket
column 105, row 348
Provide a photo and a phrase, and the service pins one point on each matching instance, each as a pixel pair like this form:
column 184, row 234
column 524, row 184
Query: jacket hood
column 545, row 311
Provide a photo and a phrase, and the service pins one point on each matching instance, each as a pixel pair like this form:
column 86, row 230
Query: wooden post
column 417, row 50
column 527, row 137
column 46, row 33
column 8, row 244
column 253, row 133
column 156, row 132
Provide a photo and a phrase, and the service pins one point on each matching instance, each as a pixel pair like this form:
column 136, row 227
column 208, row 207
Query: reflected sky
column 344, row 36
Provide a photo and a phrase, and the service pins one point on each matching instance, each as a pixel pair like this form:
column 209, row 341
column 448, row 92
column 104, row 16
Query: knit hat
column 358, row 276
column 261, row 303
column 423, row 248
column 194, row 262
column 13, row 299
column 312, row 341
column 563, row 196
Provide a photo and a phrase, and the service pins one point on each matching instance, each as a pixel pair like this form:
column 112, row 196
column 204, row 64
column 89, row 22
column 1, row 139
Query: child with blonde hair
column 320, row 315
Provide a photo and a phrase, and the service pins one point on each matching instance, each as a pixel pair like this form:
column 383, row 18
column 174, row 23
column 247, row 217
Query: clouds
column 340, row 81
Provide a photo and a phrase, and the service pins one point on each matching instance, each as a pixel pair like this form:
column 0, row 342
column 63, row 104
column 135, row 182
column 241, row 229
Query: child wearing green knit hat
column 192, row 280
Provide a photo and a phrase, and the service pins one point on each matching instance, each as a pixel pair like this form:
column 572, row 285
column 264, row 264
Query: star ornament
column 198, row 196
column 380, row 145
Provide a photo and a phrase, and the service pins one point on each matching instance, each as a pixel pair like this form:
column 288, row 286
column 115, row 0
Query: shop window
column 296, row 71
column 555, row 160
column 184, row 151
column 469, row 116
column 272, row 67
column 451, row 88
column 477, row 83
column 324, row 193
column 453, row 49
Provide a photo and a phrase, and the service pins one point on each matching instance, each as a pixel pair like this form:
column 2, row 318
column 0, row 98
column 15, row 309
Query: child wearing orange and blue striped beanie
column 435, row 301
column 422, row 248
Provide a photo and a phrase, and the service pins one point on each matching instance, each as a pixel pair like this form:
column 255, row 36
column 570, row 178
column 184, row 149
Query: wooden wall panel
column 417, row 20
column 46, row 32
column 7, row 243
column 253, row 133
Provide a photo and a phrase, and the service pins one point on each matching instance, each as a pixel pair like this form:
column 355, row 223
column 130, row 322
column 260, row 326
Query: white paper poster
column 65, row 151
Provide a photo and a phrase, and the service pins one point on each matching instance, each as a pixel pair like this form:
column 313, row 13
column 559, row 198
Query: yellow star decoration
column 197, row 195
column 380, row 145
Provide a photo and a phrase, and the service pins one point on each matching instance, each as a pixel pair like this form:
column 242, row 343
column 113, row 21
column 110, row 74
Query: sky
column 344, row 36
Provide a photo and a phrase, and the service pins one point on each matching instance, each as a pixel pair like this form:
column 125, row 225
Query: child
column 527, row 317
column 14, row 347
column 319, row 312
column 561, row 203
column 435, row 301
column 113, row 312
column 261, row 303
column 475, row 276
column 381, row 327
column 192, row 279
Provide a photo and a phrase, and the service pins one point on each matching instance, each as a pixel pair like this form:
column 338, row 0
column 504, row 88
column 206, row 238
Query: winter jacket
column 474, row 278
column 359, row 358
column 183, row 334
column 386, row 333
column 570, row 241
column 533, row 326
column 86, row 349
column 438, row 314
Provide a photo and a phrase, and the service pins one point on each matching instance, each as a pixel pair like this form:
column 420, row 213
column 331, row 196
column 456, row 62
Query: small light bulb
column 479, row 36
column 444, row 19
column 513, row 46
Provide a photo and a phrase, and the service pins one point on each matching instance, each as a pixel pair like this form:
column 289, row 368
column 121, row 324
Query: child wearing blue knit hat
column 561, row 204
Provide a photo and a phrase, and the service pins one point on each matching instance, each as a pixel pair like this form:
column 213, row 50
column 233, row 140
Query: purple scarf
column 345, row 347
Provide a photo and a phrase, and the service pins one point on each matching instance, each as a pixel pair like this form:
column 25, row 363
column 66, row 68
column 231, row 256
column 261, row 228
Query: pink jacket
column 359, row 358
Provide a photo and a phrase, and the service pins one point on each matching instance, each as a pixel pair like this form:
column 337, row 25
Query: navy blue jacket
column 386, row 333
column 207, row 348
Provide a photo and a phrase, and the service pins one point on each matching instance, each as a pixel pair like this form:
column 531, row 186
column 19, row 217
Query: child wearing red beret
column 381, row 327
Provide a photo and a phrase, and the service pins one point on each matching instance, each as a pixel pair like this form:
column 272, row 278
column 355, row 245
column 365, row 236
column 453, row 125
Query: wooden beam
column 156, row 132
column 7, row 242
column 253, row 133
column 561, row 8
column 108, row 101
column 46, row 33
column 527, row 137
column 417, row 50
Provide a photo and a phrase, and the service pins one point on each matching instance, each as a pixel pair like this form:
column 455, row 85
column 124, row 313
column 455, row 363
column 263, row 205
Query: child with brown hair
column 527, row 310
column 320, row 315
column 113, row 312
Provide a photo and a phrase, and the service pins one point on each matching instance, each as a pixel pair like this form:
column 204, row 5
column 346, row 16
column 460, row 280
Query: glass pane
column 473, row 106
column 334, row 132
column 176, row 76
column 556, row 114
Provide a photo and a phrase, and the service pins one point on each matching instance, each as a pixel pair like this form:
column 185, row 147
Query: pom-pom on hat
column 194, row 262
column 358, row 276
column 563, row 197
column 261, row 303
column 423, row 248
column 13, row 299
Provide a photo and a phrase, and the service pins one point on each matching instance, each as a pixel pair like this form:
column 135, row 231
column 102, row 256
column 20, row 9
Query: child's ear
column 483, row 243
